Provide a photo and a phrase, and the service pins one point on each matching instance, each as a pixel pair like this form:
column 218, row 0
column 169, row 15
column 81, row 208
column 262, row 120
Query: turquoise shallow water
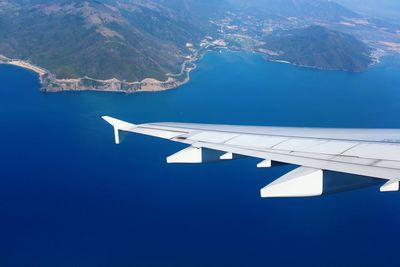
column 70, row 197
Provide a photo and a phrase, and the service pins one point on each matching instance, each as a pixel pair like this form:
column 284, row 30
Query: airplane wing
column 361, row 152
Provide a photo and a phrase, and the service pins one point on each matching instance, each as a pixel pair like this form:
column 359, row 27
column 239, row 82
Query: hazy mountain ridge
column 389, row 10
column 316, row 9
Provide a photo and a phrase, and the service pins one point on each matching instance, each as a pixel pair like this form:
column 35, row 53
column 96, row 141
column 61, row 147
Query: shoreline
column 49, row 82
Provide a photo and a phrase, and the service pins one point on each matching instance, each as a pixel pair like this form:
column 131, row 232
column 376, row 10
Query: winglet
column 118, row 126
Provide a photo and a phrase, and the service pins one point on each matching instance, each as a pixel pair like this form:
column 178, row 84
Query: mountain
column 316, row 9
column 320, row 47
column 128, row 40
column 388, row 9
column 85, row 44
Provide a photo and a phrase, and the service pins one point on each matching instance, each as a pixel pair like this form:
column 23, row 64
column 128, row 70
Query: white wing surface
column 363, row 152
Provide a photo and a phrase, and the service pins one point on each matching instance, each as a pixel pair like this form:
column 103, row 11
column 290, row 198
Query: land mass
column 330, row 49
column 137, row 45
column 50, row 83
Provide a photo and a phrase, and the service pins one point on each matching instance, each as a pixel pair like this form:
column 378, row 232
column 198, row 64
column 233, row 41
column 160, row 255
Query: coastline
column 49, row 82
column 375, row 58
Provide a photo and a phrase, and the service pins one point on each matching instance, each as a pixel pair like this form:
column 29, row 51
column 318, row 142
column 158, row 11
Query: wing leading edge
column 363, row 152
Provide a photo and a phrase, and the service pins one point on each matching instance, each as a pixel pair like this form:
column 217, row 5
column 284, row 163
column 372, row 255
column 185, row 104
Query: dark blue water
column 70, row 197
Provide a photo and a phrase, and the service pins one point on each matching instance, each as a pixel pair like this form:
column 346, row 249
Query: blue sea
column 70, row 197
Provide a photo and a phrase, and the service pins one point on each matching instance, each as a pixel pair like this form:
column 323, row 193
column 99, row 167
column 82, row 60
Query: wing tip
column 118, row 125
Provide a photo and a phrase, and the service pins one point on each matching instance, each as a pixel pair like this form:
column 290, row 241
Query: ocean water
column 70, row 197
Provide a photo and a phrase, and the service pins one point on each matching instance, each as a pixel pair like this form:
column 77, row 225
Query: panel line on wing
column 386, row 141
column 346, row 167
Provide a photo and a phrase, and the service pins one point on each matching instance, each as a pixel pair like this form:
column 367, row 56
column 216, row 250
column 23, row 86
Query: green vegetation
column 90, row 38
column 319, row 47
column 134, row 39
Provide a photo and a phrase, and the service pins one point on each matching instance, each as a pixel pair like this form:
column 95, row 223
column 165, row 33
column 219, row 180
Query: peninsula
column 50, row 83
